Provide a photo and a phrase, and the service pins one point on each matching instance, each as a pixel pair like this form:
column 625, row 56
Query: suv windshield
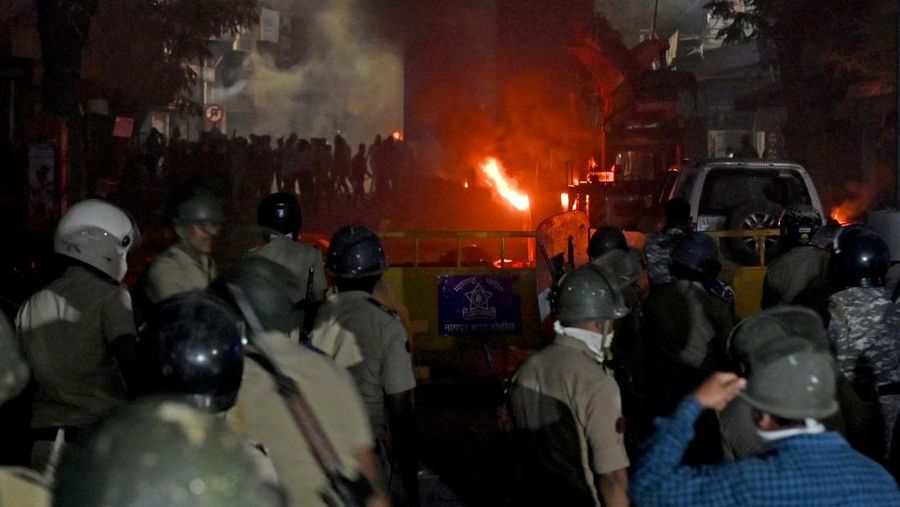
column 725, row 188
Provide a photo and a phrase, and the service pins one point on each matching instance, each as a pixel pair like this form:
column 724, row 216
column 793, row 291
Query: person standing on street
column 280, row 217
column 262, row 416
column 367, row 337
column 188, row 263
column 800, row 465
column 659, row 246
column 860, row 325
column 565, row 402
column 78, row 334
column 802, row 264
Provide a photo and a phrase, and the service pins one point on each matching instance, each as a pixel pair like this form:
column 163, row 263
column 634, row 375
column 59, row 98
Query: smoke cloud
column 349, row 80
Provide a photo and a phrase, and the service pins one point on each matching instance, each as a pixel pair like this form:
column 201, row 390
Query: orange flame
column 564, row 200
column 840, row 215
column 466, row 184
column 494, row 171
column 397, row 135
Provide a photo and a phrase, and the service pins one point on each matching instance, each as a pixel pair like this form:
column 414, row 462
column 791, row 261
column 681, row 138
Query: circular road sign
column 213, row 113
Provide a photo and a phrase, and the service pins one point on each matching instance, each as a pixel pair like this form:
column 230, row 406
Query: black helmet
column 271, row 289
column 197, row 351
column 159, row 452
column 355, row 252
column 697, row 253
column 861, row 258
column 798, row 223
column 606, row 239
column 280, row 212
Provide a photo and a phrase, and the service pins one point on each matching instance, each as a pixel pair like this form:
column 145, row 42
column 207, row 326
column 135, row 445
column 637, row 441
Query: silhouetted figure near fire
column 260, row 168
column 342, row 161
column 388, row 164
column 306, row 171
column 322, row 171
column 237, row 164
column 376, row 164
column 358, row 171
column 288, row 164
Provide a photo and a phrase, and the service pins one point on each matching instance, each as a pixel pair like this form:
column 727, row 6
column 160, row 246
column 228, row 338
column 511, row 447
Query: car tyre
column 754, row 215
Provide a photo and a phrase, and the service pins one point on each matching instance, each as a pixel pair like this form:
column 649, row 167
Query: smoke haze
column 350, row 79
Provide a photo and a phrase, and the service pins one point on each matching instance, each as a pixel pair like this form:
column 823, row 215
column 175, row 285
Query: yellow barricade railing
column 459, row 236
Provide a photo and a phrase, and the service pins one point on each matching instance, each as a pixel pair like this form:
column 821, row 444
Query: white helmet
column 99, row 234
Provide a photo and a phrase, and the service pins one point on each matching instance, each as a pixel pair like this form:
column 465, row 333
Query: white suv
column 736, row 194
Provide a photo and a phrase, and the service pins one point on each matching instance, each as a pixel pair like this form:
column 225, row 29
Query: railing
column 459, row 236
column 753, row 233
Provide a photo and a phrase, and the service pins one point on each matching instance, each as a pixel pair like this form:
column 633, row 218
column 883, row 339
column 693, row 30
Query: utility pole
column 653, row 26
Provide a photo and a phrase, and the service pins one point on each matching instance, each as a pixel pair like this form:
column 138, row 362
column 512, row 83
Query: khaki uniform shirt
column 174, row 271
column 21, row 488
column 261, row 416
column 66, row 330
column 791, row 272
column 361, row 334
column 567, row 408
column 298, row 258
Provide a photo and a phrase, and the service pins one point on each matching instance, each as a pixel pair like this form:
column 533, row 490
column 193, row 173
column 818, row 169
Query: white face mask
column 597, row 343
column 812, row 427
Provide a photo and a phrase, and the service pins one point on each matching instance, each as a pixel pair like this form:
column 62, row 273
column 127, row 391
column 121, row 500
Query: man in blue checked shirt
column 800, row 465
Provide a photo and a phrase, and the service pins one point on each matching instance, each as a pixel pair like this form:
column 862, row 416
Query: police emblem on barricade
column 478, row 305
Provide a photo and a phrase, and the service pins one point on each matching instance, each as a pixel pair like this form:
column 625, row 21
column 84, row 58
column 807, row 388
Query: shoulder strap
column 383, row 307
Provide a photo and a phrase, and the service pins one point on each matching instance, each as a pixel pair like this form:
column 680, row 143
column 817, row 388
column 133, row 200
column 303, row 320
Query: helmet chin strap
column 597, row 343
column 812, row 426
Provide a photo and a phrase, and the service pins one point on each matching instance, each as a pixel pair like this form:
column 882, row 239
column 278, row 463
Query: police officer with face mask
column 565, row 401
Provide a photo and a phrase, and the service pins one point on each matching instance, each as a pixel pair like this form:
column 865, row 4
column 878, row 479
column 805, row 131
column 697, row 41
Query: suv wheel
column 754, row 215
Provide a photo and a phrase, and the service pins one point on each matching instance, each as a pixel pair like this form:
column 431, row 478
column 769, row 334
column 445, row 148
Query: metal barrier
column 459, row 236
column 754, row 233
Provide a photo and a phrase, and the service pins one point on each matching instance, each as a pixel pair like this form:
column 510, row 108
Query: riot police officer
column 329, row 390
column 78, row 333
column 862, row 316
column 281, row 218
column 566, row 405
column 361, row 333
column 162, row 452
column 802, row 264
column 187, row 264
column 685, row 328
